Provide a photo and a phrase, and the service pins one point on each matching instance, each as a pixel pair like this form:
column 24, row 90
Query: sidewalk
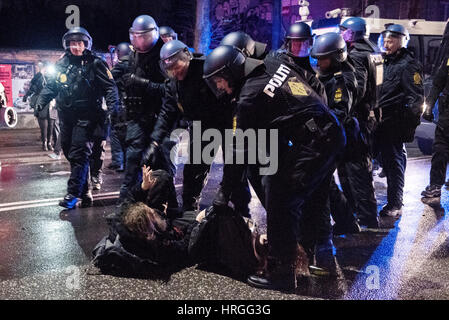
column 23, row 146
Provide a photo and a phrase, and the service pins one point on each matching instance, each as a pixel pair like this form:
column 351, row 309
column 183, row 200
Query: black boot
column 50, row 147
column 281, row 274
column 341, row 228
column 325, row 262
column 44, row 146
column 391, row 211
column 432, row 191
column 87, row 200
column 278, row 276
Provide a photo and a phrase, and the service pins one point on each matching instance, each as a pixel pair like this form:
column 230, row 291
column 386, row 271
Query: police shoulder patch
column 63, row 78
column 338, row 95
column 109, row 74
column 417, row 78
column 297, row 88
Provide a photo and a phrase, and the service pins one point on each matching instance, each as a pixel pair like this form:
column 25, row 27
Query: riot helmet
column 175, row 59
column 394, row 37
column 354, row 29
column 299, row 39
column 330, row 50
column 225, row 68
column 123, row 49
column 144, row 33
column 77, row 34
column 167, row 34
column 243, row 41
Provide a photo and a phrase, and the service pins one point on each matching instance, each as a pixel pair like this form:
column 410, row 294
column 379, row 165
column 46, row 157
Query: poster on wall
column 5, row 79
column 21, row 79
column 251, row 16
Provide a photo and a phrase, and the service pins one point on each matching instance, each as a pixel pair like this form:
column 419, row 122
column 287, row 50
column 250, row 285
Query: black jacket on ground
column 401, row 96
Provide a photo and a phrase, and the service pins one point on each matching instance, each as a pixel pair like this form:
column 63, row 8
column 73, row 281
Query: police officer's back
column 275, row 97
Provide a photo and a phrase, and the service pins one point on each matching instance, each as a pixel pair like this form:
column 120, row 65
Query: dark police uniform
column 356, row 173
column 118, row 123
column 192, row 99
column 401, row 100
column 274, row 96
column 341, row 91
column 80, row 84
column 303, row 67
column 440, row 157
column 142, row 108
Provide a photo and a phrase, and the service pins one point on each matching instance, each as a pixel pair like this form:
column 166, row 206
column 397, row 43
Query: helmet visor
column 177, row 65
column 300, row 47
column 70, row 39
column 220, row 84
column 391, row 41
column 143, row 41
column 347, row 34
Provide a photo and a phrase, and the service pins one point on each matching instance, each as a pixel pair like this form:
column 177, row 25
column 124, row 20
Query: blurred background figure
column 167, row 34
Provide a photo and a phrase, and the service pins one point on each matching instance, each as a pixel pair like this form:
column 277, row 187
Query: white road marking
column 48, row 202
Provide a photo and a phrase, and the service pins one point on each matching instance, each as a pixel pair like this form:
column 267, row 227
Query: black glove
column 39, row 107
column 428, row 114
column 151, row 156
column 25, row 98
column 131, row 80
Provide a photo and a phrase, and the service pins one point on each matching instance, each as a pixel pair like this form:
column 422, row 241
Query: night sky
column 40, row 24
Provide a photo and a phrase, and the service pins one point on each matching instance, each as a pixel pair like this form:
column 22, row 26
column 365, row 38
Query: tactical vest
column 76, row 84
column 140, row 105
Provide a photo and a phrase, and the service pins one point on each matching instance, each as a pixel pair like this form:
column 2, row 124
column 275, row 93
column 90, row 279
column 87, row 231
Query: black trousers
column 357, row 184
column 296, row 196
column 440, row 157
column 394, row 162
column 195, row 177
column 77, row 143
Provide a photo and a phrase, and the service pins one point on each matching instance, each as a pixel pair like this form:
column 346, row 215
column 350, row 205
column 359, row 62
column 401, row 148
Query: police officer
column 244, row 42
column 356, row 174
column 401, row 100
column 309, row 137
column 167, row 34
column 338, row 77
column 440, row 157
column 118, row 123
column 80, row 83
column 144, row 90
column 298, row 42
column 188, row 96
column 301, row 65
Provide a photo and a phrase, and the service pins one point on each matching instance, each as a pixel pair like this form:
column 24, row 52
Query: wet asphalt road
column 45, row 252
